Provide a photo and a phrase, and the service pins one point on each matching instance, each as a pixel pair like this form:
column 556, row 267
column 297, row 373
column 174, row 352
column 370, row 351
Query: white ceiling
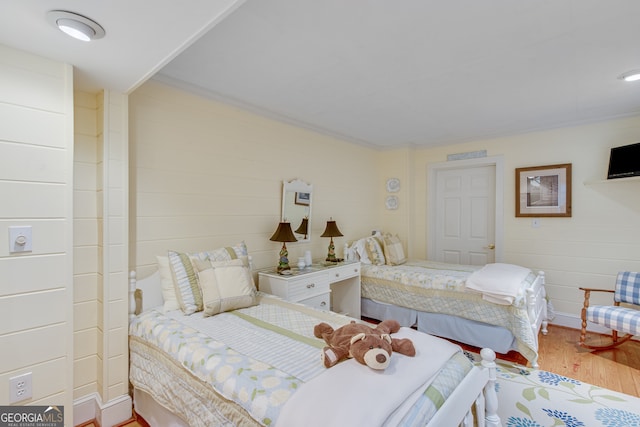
column 141, row 35
column 383, row 73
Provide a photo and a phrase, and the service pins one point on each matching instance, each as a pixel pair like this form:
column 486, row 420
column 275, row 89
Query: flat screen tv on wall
column 624, row 161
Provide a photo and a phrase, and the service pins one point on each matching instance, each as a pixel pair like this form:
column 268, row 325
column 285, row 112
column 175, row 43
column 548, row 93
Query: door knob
column 491, row 246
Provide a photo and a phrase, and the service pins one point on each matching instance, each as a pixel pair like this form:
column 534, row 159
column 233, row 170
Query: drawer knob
column 311, row 285
column 323, row 303
column 337, row 274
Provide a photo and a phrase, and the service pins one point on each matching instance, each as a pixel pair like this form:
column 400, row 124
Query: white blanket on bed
column 499, row 283
column 351, row 394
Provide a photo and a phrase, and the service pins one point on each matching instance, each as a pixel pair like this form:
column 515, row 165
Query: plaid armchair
column 614, row 317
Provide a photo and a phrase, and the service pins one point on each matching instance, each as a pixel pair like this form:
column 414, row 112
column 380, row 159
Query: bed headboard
column 144, row 293
column 147, row 293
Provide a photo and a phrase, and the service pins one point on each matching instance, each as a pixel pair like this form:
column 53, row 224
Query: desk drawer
column 337, row 274
column 321, row 302
column 307, row 287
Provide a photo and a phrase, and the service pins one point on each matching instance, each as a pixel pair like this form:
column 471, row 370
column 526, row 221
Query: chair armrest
column 597, row 290
column 587, row 296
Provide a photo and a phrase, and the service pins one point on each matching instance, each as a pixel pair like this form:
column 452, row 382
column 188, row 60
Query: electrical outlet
column 20, row 388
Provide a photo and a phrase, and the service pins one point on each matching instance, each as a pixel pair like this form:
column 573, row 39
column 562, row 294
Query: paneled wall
column 86, row 250
column 205, row 175
column 100, row 265
column 36, row 183
column 113, row 292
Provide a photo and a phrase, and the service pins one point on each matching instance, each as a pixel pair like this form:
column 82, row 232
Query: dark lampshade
column 283, row 234
column 331, row 231
column 304, row 226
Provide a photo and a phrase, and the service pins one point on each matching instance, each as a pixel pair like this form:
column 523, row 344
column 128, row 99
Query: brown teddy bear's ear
column 357, row 337
column 386, row 337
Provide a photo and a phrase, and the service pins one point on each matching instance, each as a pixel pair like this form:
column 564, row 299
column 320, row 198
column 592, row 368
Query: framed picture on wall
column 543, row 191
column 303, row 198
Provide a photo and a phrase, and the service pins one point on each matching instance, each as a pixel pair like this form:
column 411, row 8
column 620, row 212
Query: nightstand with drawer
column 331, row 287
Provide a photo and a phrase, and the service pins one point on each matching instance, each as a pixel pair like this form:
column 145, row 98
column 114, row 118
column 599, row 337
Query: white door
column 463, row 204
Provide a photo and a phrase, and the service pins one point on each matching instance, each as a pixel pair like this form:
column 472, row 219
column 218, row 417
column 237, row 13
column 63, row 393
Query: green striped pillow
column 185, row 281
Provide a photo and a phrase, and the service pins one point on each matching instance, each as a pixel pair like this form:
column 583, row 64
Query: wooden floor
column 617, row 369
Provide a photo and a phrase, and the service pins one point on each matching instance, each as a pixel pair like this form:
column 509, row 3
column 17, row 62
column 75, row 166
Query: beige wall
column 588, row 249
column 205, row 175
column 396, row 164
column 36, row 183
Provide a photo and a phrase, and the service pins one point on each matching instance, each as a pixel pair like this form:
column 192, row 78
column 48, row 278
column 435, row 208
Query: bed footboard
column 477, row 391
column 537, row 304
column 537, row 309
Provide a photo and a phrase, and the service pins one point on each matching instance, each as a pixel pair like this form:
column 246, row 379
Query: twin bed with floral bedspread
column 501, row 306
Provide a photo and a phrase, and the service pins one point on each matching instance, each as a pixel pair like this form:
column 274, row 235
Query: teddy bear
column 370, row 346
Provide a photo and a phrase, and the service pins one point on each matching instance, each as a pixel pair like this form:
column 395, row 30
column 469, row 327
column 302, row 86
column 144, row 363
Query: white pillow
column 227, row 285
column 360, row 248
column 166, row 282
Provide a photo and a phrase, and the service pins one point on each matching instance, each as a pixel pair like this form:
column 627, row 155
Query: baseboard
column 107, row 414
column 572, row 321
column 575, row 322
column 84, row 409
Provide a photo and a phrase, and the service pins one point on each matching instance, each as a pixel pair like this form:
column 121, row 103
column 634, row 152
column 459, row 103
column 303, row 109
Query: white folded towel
column 499, row 283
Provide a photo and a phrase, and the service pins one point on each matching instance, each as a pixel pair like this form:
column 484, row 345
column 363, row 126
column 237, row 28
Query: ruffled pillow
column 374, row 251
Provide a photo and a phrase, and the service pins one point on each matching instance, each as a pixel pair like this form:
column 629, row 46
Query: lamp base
column 283, row 263
column 331, row 253
column 280, row 269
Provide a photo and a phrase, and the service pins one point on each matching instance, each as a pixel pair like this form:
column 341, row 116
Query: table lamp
column 304, row 226
column 283, row 234
column 331, row 231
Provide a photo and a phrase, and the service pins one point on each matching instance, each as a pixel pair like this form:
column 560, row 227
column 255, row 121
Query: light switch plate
column 20, row 239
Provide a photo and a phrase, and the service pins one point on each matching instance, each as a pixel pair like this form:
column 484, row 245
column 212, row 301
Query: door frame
column 434, row 168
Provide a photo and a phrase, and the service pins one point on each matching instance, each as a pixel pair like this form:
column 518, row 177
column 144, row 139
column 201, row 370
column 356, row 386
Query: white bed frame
column 477, row 389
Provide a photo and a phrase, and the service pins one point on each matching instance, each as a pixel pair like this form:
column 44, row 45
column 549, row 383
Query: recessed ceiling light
column 630, row 76
column 77, row 26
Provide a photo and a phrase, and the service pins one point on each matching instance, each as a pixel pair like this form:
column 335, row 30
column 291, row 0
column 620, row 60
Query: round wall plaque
column 393, row 185
column 391, row 202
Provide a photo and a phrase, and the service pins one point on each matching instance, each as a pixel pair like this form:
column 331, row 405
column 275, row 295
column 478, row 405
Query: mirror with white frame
column 296, row 207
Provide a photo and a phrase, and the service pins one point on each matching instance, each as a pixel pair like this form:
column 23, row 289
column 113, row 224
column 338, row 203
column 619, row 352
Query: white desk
column 327, row 287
